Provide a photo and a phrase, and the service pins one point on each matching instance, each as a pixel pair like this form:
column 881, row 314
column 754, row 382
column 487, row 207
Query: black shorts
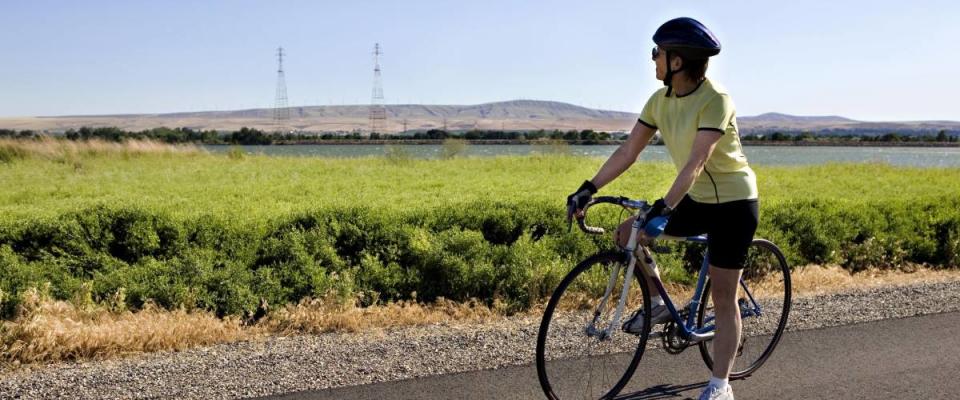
column 729, row 227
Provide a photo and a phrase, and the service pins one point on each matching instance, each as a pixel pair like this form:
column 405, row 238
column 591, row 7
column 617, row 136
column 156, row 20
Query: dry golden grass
column 46, row 330
column 60, row 150
column 319, row 316
column 815, row 280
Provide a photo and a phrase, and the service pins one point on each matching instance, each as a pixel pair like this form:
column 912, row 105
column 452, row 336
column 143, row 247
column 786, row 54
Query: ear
column 676, row 63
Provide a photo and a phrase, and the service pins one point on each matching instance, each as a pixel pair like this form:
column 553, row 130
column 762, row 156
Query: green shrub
column 512, row 251
column 236, row 153
column 453, row 148
column 947, row 235
column 397, row 154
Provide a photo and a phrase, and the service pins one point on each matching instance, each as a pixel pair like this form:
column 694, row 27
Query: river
column 758, row 155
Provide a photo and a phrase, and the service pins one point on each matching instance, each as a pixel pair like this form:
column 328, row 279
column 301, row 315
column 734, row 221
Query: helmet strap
column 668, row 77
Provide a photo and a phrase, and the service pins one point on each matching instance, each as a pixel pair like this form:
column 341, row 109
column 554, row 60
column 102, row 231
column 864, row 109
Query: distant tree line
column 942, row 136
column 252, row 136
column 166, row 135
column 583, row 136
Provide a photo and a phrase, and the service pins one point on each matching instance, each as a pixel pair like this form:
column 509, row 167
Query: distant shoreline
column 609, row 143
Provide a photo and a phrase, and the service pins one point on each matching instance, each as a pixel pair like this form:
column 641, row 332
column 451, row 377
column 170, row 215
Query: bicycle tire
column 761, row 272
column 549, row 313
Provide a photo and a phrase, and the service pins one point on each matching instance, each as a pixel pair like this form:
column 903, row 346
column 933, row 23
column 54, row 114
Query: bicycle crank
column 673, row 341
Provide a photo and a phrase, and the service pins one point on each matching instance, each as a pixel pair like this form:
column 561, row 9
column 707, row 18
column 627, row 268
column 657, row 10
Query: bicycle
column 589, row 303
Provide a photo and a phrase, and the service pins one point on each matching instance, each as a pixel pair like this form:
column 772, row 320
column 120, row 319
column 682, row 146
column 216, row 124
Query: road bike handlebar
column 621, row 201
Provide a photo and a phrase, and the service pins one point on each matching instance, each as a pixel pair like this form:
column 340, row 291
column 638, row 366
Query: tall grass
column 551, row 147
column 453, row 148
column 45, row 329
column 265, row 187
column 334, row 315
column 52, row 149
column 397, row 155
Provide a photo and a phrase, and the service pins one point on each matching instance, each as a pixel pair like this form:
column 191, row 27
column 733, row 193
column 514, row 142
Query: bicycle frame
column 687, row 328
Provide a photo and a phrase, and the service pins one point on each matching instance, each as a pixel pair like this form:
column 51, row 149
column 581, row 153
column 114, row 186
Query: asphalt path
column 909, row 358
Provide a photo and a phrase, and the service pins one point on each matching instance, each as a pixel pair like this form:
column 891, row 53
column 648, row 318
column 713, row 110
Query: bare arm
column 624, row 156
column 703, row 146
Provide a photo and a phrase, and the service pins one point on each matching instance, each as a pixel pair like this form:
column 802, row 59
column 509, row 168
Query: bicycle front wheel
column 764, row 300
column 574, row 359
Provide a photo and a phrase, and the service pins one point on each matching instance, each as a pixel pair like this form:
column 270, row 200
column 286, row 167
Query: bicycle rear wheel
column 766, row 278
column 592, row 367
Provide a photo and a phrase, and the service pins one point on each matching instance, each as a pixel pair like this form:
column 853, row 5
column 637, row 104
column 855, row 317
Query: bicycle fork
column 606, row 333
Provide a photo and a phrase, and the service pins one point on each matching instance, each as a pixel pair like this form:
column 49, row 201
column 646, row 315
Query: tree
column 438, row 134
column 942, row 136
column 249, row 136
column 780, row 136
column 890, row 137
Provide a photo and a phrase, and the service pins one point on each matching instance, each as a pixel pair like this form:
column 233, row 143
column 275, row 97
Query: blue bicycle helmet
column 687, row 38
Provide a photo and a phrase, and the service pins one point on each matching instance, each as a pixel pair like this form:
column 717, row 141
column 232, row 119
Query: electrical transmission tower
column 378, row 113
column 280, row 110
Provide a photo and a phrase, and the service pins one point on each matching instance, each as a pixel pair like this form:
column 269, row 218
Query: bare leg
column 621, row 236
column 723, row 291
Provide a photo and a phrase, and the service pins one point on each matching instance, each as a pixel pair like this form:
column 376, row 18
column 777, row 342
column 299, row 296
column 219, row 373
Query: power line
column 280, row 110
column 378, row 113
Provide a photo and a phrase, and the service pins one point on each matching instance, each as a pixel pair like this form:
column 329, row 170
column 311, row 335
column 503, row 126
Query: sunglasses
column 655, row 53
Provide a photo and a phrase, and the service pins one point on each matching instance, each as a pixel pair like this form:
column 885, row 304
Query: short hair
column 696, row 69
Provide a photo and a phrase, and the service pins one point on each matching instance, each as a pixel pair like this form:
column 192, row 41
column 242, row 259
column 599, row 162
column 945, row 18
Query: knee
column 723, row 297
column 622, row 234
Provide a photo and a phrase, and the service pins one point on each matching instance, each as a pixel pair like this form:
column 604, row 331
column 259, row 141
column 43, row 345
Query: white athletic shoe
column 712, row 393
column 658, row 315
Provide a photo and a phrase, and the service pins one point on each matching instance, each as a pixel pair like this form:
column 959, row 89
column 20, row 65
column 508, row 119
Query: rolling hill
column 513, row 115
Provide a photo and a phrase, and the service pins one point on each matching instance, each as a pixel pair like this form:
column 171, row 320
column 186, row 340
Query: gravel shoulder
column 310, row 362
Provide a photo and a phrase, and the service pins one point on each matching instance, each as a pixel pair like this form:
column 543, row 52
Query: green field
column 225, row 233
column 259, row 188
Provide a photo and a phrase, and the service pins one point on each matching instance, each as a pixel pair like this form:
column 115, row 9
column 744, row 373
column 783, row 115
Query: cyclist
column 715, row 191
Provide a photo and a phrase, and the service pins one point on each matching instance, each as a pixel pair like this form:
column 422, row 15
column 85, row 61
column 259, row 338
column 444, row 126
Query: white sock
column 656, row 301
column 719, row 383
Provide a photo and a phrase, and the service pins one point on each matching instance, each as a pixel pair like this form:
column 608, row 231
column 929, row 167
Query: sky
column 867, row 60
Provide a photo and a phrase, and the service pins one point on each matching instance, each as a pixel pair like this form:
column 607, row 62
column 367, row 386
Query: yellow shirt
column 726, row 176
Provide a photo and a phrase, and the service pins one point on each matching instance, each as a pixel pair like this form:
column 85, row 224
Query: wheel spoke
column 563, row 347
column 766, row 280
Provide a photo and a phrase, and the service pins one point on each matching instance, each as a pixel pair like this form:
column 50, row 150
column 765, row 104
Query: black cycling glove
column 659, row 209
column 580, row 198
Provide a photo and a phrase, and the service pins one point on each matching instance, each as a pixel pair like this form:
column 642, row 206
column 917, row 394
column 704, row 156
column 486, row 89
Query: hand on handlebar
column 659, row 209
column 574, row 208
column 655, row 221
column 579, row 199
column 644, row 237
